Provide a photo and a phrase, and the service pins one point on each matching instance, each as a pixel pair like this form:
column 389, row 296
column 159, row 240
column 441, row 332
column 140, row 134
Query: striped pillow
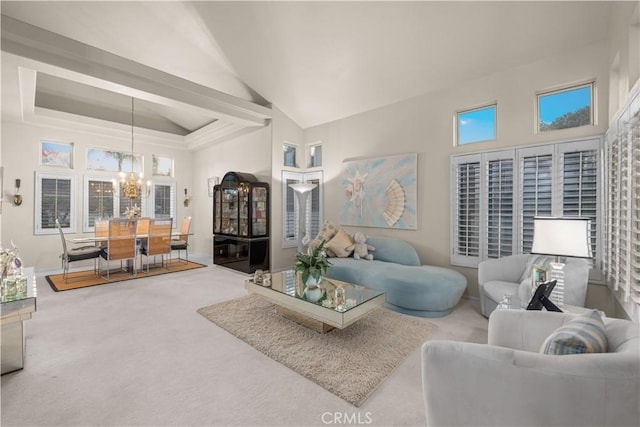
column 581, row 334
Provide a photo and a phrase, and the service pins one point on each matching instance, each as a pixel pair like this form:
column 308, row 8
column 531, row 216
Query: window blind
column 537, row 194
column 56, row 202
column 291, row 210
column 55, row 198
column 622, row 247
column 164, row 201
column 504, row 190
column 314, row 217
column 467, row 196
column 579, row 174
column 499, row 224
column 99, row 201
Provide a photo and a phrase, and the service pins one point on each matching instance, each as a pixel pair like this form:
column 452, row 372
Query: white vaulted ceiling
column 218, row 64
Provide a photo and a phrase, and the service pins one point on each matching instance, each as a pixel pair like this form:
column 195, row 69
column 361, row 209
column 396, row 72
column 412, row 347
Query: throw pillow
column 581, row 334
column 339, row 244
column 326, row 233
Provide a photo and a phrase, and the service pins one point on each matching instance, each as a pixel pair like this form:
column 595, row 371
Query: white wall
column 20, row 158
column 284, row 129
column 425, row 125
column 250, row 153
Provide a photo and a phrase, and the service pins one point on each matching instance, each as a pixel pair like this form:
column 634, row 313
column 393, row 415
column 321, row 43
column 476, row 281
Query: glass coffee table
column 325, row 314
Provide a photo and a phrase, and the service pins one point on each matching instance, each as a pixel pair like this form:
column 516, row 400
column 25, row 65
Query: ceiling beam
column 70, row 59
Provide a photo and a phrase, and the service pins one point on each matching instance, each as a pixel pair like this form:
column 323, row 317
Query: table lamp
column 302, row 191
column 560, row 237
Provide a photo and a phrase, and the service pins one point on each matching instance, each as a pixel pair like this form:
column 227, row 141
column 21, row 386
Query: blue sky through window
column 477, row 125
column 558, row 104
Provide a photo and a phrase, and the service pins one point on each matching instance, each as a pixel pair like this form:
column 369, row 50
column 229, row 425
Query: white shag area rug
column 350, row 363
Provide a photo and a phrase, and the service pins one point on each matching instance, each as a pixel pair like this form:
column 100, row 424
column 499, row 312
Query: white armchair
column 508, row 382
column 501, row 276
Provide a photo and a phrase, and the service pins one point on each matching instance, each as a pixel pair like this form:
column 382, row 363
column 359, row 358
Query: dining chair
column 76, row 254
column 101, row 231
column 143, row 226
column 121, row 243
column 182, row 242
column 158, row 241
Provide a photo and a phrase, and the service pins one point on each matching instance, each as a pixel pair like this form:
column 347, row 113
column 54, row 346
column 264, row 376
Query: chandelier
column 131, row 186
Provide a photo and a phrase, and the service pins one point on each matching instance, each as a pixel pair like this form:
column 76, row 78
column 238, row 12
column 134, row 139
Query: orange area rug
column 83, row 279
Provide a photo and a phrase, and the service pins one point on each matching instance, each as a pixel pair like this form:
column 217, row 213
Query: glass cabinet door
column 259, row 211
column 217, row 200
column 243, row 197
column 229, row 211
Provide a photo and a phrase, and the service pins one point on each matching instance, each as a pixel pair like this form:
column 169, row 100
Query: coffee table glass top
column 285, row 283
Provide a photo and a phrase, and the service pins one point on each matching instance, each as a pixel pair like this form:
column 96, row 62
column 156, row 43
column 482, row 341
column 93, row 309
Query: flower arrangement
column 312, row 264
column 132, row 212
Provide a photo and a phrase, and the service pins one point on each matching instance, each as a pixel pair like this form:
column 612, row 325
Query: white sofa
column 508, row 382
column 502, row 276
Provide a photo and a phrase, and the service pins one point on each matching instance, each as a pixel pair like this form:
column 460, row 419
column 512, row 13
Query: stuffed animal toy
column 360, row 248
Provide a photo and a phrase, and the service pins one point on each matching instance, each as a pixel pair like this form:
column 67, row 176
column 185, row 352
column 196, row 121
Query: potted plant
column 312, row 265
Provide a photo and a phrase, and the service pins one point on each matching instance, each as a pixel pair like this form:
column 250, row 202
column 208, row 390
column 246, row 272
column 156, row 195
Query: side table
column 12, row 317
column 514, row 302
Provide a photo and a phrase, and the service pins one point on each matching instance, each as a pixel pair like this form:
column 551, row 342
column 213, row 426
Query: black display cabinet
column 241, row 223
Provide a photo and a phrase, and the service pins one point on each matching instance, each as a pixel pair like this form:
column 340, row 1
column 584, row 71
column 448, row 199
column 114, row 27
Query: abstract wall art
column 380, row 192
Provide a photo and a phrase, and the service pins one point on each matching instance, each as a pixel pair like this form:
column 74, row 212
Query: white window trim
column 38, row 230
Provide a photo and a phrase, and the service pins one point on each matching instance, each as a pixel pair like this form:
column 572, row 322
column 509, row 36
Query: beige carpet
column 350, row 363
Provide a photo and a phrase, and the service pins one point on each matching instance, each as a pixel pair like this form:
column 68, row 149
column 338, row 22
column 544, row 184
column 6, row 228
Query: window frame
column 456, row 123
column 593, row 107
column 295, row 147
column 310, row 157
column 39, row 177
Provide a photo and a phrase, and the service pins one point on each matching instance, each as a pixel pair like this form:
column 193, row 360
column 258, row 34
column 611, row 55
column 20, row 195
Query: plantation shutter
column 99, row 201
column 55, row 195
column 635, row 210
column 312, row 220
column 290, row 208
column 536, row 190
column 579, row 191
column 622, row 248
column 466, row 233
column 499, row 207
column 164, row 201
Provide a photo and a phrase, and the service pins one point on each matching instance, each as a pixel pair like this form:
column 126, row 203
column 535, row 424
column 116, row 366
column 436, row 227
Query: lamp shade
column 561, row 236
column 303, row 187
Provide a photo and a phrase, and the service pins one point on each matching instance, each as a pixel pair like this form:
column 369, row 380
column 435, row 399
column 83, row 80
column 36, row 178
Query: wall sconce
column 186, row 199
column 17, row 198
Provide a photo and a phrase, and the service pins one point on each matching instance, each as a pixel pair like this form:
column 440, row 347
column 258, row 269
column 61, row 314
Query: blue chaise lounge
column 411, row 288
